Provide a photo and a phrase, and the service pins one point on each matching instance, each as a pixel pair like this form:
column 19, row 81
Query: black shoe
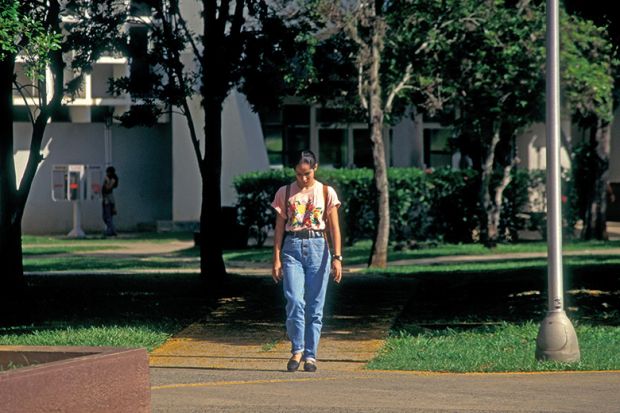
column 310, row 366
column 292, row 365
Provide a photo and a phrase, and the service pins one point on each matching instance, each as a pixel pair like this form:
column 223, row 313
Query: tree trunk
column 595, row 223
column 10, row 216
column 380, row 245
column 212, row 266
column 489, row 214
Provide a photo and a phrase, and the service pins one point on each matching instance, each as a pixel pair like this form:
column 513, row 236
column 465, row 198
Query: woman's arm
column 334, row 230
column 276, row 272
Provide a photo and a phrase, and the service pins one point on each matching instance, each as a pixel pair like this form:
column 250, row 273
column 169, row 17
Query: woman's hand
column 337, row 271
column 276, row 271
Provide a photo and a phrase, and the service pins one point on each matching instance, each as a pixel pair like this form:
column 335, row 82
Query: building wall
column 406, row 148
column 141, row 157
column 243, row 151
column 532, row 147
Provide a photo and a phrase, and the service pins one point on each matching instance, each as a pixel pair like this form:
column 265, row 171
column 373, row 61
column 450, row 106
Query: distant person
column 306, row 209
column 110, row 182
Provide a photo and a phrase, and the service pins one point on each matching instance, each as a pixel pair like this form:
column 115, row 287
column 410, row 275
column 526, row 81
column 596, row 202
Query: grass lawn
column 485, row 317
column 492, row 348
column 141, row 310
column 145, row 335
column 358, row 253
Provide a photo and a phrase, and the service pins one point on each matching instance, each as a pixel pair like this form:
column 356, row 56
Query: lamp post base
column 557, row 339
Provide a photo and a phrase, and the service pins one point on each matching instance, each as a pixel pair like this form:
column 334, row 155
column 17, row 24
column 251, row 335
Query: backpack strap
column 286, row 197
column 325, row 218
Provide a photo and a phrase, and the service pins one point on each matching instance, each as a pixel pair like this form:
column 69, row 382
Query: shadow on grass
column 250, row 310
column 169, row 300
column 480, row 300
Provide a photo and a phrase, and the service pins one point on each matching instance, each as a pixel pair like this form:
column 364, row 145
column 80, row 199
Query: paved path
column 246, row 331
column 211, row 390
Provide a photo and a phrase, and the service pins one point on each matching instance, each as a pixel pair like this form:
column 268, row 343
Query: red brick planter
column 73, row 379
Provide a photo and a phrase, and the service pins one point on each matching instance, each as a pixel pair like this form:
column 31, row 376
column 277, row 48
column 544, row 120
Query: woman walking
column 307, row 211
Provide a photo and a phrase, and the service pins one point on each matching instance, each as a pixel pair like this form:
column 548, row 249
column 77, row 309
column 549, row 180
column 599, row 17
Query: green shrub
column 424, row 205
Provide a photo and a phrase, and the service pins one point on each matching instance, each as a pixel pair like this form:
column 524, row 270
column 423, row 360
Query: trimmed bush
column 424, row 205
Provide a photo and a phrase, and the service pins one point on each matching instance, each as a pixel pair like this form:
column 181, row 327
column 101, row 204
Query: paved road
column 208, row 390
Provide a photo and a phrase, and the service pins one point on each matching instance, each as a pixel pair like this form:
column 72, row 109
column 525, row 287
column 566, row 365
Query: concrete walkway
column 209, row 390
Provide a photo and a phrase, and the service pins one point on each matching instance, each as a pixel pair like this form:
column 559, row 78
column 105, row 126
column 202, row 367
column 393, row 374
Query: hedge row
column 424, row 205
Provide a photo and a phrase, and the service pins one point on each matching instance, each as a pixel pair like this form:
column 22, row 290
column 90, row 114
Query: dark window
column 362, row 153
column 295, row 139
column 271, row 122
column 329, row 115
column 100, row 113
column 139, row 67
column 286, row 132
column 436, row 148
column 296, row 115
column 273, row 142
column 333, row 147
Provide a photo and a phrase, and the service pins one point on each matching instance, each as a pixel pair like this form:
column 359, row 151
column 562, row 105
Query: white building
column 158, row 172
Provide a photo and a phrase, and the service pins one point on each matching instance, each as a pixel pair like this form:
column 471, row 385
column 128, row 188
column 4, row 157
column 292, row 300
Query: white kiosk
column 76, row 183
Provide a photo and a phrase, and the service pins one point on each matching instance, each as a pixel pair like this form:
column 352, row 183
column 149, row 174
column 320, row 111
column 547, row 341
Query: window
column 101, row 113
column 333, row 147
column 286, row 132
column 437, row 151
column 139, row 68
column 295, row 139
column 362, row 155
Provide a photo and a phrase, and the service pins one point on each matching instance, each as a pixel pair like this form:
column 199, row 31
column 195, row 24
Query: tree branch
column 189, row 37
column 25, row 99
column 360, row 86
column 403, row 84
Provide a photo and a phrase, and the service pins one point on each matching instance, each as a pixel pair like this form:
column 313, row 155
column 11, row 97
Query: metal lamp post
column 556, row 339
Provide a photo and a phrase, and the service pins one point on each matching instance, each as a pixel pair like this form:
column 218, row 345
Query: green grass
column 34, row 250
column 90, row 263
column 153, row 237
column 359, row 252
column 140, row 310
column 495, row 348
column 498, row 266
column 146, row 335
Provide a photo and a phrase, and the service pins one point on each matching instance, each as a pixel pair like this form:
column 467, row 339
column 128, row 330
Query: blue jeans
column 306, row 267
column 108, row 218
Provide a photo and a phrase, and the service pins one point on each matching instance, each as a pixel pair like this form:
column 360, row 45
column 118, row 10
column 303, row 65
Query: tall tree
column 589, row 63
column 494, row 72
column 32, row 32
column 242, row 44
column 381, row 45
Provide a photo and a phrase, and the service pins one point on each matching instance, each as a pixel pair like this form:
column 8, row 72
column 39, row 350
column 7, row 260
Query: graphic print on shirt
column 304, row 214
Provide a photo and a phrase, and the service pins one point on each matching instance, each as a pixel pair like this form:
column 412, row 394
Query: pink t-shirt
column 305, row 206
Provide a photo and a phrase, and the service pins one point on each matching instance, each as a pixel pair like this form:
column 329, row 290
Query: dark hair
column 306, row 156
column 111, row 171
